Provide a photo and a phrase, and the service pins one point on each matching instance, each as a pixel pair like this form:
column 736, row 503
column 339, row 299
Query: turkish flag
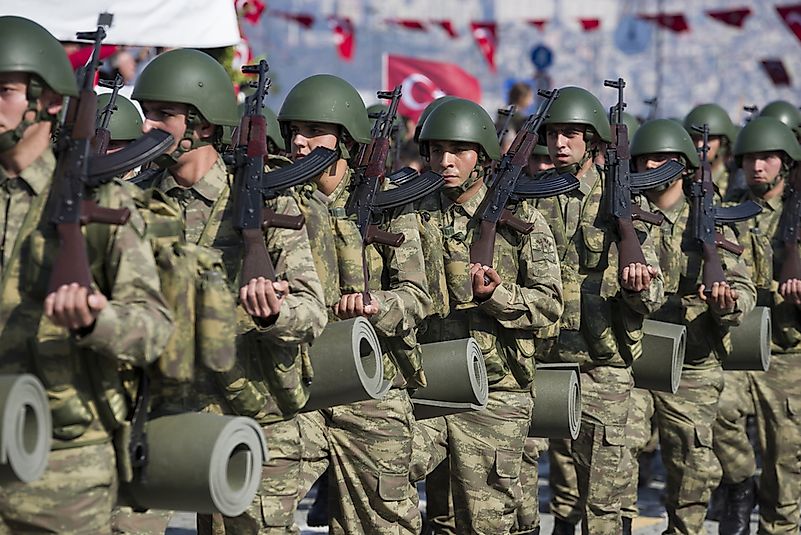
column 791, row 15
column 448, row 27
column 776, row 71
column 732, row 17
column 590, row 25
column 538, row 23
column 251, row 10
column 409, row 24
column 422, row 81
column 304, row 19
column 344, row 36
column 675, row 22
column 486, row 39
column 80, row 57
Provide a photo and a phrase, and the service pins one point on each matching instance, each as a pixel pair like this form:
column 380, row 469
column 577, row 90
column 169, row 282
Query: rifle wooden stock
column 732, row 247
column 382, row 237
column 713, row 269
column 242, row 138
column 256, row 261
column 84, row 127
column 91, row 212
column 515, row 223
column 271, row 218
column 72, row 261
column 257, row 136
column 638, row 214
column 482, row 251
column 628, row 247
column 376, row 165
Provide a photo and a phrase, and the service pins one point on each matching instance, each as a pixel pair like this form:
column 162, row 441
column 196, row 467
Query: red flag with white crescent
column 344, row 36
column 486, row 38
column 423, row 81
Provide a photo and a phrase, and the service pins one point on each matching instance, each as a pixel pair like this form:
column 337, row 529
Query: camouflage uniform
column 601, row 330
column 773, row 396
column 487, row 446
column 639, row 431
column 78, row 490
column 367, row 445
column 268, row 378
column 528, row 514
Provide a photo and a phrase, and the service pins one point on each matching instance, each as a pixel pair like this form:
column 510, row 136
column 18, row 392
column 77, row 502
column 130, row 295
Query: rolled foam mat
column 456, row 376
column 750, row 342
column 659, row 366
column 557, row 408
column 200, row 462
column 348, row 365
column 26, row 429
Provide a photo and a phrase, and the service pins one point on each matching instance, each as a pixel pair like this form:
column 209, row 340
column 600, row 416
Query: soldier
column 766, row 149
column 367, row 444
column 786, row 113
column 685, row 419
column 70, row 337
column 722, row 133
column 500, row 306
column 601, row 326
column 188, row 94
column 125, row 124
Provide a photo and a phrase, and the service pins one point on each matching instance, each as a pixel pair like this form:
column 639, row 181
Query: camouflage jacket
column 133, row 328
column 268, row 358
column 528, row 299
column 707, row 332
column 764, row 254
column 602, row 323
column 396, row 275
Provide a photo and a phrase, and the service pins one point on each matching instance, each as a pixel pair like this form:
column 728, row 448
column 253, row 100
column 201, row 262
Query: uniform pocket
column 393, row 487
column 614, row 435
column 591, row 255
column 507, row 463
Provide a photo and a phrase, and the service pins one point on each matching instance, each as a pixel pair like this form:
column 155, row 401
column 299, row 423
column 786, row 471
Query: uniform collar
column 341, row 188
column 774, row 203
column 470, row 206
column 37, row 175
column 672, row 213
column 209, row 187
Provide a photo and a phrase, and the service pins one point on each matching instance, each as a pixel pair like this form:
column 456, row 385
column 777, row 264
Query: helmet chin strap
column 187, row 143
column 454, row 192
column 10, row 139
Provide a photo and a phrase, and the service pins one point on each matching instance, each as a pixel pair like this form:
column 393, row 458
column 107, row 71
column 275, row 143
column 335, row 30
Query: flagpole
column 659, row 41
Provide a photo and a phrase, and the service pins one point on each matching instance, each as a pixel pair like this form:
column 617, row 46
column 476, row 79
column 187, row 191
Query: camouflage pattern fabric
column 638, row 435
column 566, row 504
column 124, row 521
column 601, row 329
column 731, row 443
column 75, row 495
column 528, row 514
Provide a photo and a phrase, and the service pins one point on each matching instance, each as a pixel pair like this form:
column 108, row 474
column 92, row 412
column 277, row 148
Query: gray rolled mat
column 26, row 428
column 347, row 363
column 201, row 462
column 557, row 409
column 750, row 342
column 457, row 379
column 659, row 366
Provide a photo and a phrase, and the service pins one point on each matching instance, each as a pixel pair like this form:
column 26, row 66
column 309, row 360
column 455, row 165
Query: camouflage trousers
column 125, row 521
column 74, row 496
column 272, row 511
column 685, row 421
column 484, row 449
column 565, row 501
column 528, row 514
column 639, row 431
column 368, row 448
column 775, row 398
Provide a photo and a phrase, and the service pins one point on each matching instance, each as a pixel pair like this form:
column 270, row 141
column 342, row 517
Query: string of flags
column 485, row 33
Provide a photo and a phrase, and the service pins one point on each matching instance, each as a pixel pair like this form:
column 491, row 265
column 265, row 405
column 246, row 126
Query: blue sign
column 541, row 57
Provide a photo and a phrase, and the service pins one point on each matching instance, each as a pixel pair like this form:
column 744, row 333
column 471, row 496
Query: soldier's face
column 454, row 160
column 762, row 167
column 714, row 145
column 13, row 101
column 537, row 163
column 167, row 116
column 307, row 136
column 566, row 144
column 645, row 162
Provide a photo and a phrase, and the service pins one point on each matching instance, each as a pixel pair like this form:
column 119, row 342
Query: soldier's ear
column 206, row 130
column 51, row 101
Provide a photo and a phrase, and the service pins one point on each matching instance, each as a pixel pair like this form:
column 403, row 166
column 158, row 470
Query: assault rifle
column 71, row 207
column 504, row 185
column 621, row 184
column 789, row 228
column 367, row 203
column 252, row 186
column 704, row 216
column 102, row 133
column 504, row 118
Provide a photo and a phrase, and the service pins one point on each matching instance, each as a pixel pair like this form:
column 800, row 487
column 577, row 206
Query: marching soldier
column 786, row 113
column 125, row 124
column 73, row 338
column 722, row 133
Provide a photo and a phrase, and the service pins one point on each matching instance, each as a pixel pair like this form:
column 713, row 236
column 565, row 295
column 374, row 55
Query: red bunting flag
column 538, row 23
column 304, row 19
column 409, row 24
column 732, row 17
column 791, row 15
column 486, row 38
column 80, row 57
column 590, row 25
column 775, row 70
column 344, row 36
column 250, row 10
column 423, row 81
column 673, row 22
column 448, row 27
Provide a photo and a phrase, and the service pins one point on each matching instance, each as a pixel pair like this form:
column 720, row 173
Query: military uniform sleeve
column 302, row 317
column 136, row 324
column 535, row 300
column 649, row 300
column 739, row 280
column 405, row 301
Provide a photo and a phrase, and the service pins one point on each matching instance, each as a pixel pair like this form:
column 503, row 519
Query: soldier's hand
column 485, row 280
column 722, row 299
column 262, row 298
column 791, row 291
column 352, row 306
column 637, row 277
column 73, row 307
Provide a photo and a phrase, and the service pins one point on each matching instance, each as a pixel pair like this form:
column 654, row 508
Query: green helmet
column 273, row 128
column 631, row 122
column 126, row 122
column 27, row 47
column 190, row 77
column 461, row 120
column 664, row 135
column 325, row 98
column 715, row 116
column 575, row 105
column 426, row 112
column 785, row 112
column 766, row 134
